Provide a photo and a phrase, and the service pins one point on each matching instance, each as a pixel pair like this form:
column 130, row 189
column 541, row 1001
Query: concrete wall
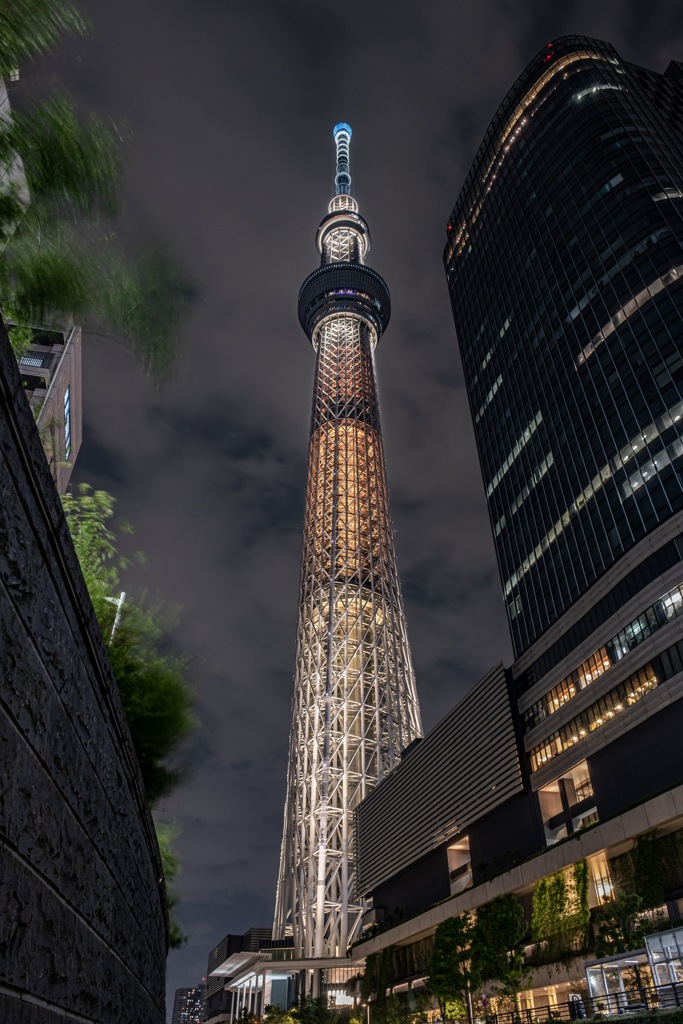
column 83, row 928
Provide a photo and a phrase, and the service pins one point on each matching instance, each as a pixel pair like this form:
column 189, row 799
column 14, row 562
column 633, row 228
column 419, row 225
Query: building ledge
column 260, row 965
column 654, row 813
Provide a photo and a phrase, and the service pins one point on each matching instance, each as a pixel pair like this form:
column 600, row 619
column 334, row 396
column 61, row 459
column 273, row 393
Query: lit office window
column 604, row 710
column 668, row 607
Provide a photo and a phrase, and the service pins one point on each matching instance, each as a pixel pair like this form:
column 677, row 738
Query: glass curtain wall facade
column 565, row 268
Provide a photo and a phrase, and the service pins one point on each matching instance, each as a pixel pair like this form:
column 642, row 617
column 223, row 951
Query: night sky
column 227, row 108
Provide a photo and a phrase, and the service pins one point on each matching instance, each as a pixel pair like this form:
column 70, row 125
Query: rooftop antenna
column 342, row 137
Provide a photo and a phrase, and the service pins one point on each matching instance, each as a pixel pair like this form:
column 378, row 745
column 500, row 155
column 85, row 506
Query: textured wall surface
column 82, row 913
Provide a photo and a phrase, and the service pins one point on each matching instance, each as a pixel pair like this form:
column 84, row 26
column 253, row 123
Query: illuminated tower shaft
column 355, row 707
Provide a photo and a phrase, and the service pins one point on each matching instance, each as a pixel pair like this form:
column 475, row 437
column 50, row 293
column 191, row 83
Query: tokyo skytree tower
column 355, row 706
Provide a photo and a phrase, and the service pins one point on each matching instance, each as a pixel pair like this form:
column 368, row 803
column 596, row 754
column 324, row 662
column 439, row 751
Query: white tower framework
column 355, row 706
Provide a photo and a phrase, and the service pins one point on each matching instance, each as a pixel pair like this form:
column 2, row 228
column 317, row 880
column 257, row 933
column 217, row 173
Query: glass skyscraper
column 564, row 262
column 565, row 266
column 188, row 1005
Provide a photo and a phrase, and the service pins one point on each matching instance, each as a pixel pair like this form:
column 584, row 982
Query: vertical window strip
column 644, row 437
column 519, row 445
column 535, row 480
column 67, row 424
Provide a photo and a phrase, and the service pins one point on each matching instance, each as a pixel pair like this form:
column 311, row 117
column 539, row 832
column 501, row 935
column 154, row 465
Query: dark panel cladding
column 565, row 268
column 419, row 886
column 82, row 907
column 646, row 761
column 498, row 841
column 505, row 837
column 464, row 768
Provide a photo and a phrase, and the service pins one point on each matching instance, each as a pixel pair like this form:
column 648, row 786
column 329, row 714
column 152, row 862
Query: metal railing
column 616, row 1004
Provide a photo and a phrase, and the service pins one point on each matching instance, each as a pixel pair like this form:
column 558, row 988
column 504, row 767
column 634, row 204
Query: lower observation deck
column 344, row 287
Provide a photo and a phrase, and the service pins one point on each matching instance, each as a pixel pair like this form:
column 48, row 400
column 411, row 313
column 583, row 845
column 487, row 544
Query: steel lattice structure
column 355, row 706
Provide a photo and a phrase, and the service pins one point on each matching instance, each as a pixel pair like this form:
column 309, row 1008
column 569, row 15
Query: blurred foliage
column 166, row 835
column 154, row 691
column 312, row 1011
column 276, row 1015
column 59, row 258
column 376, row 978
column 152, row 680
column 247, row 1017
column 316, row 1010
column 30, row 27
column 88, row 514
column 649, row 871
column 652, row 869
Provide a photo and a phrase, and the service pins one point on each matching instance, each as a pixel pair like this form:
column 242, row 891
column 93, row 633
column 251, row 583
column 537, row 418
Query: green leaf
column 152, row 681
column 69, row 162
column 30, row 27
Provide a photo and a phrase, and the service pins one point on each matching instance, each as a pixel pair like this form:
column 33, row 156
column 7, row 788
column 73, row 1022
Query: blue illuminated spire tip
column 342, row 138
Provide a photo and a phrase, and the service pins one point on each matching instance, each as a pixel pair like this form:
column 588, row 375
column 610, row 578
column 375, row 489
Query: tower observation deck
column 355, row 706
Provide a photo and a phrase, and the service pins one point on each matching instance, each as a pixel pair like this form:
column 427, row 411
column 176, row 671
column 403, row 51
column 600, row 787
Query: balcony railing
column 616, row 1004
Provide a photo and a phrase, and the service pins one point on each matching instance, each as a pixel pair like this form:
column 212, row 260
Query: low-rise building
column 51, row 375
column 227, row 959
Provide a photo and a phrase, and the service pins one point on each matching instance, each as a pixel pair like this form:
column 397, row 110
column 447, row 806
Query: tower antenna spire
column 342, row 137
column 355, row 706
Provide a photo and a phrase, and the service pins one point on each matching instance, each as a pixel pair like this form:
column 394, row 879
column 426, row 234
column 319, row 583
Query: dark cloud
column 100, row 458
column 228, row 110
column 431, row 586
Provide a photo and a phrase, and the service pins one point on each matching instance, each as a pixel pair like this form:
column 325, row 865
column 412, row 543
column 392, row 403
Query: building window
column 667, row 607
column 567, row 804
column 603, row 711
column 632, row 306
column 67, row 424
column 597, row 88
column 460, row 865
column 519, row 445
column 505, row 326
column 601, row 878
column 33, row 360
column 668, row 193
column 535, row 479
column 645, row 436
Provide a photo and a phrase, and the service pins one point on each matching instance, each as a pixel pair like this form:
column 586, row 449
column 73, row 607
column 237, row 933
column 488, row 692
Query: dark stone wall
column 83, row 925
